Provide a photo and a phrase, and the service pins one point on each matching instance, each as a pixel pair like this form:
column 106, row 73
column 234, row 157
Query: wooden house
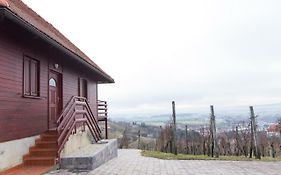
column 45, row 83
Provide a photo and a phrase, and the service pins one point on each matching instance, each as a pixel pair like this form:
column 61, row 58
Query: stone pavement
column 130, row 162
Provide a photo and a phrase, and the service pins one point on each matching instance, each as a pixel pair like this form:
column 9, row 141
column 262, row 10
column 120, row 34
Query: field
column 170, row 156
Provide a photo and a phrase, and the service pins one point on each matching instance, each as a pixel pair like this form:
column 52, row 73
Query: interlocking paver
column 130, row 162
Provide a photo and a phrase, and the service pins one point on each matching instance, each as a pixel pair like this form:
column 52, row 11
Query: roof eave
column 13, row 17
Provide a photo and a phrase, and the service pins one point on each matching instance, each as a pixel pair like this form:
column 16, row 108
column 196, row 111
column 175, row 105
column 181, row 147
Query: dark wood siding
column 23, row 117
column 72, row 74
column 20, row 117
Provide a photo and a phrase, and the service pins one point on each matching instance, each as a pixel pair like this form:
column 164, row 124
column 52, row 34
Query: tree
column 124, row 141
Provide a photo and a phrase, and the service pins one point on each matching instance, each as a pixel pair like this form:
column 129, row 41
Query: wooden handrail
column 71, row 116
column 67, row 106
column 102, row 114
column 102, row 109
column 95, row 120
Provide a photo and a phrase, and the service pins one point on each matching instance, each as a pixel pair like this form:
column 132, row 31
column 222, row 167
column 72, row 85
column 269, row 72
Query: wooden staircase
column 44, row 153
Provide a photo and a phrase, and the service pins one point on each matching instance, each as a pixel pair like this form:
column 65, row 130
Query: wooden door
column 55, row 98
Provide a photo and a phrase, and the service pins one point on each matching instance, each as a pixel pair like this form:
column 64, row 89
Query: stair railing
column 102, row 114
column 77, row 112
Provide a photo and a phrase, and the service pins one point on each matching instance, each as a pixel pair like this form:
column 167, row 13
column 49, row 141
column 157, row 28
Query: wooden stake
column 174, row 135
column 237, row 141
column 139, row 139
column 214, row 146
column 204, row 141
column 186, row 142
column 254, row 138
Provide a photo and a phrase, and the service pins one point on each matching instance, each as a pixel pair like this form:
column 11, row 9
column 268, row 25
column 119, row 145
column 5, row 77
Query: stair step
column 51, row 132
column 45, row 137
column 46, row 144
column 42, row 152
column 39, row 141
column 29, row 160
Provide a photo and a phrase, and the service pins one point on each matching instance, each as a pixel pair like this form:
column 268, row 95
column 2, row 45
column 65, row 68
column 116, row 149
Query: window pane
column 33, row 77
column 84, row 89
column 26, row 80
column 52, row 82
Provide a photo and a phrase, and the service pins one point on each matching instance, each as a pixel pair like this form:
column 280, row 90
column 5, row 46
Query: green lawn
column 169, row 156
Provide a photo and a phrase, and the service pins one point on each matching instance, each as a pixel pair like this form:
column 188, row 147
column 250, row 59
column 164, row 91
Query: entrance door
column 55, row 100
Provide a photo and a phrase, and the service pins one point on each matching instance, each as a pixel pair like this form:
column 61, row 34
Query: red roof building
column 48, row 88
column 273, row 130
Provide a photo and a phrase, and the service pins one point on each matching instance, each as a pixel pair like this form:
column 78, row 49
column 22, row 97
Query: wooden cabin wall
column 22, row 117
column 71, row 75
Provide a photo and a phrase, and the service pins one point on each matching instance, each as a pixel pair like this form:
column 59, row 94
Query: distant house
column 48, row 88
column 273, row 130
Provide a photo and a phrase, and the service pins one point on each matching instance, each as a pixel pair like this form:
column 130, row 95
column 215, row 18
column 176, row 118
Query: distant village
column 231, row 139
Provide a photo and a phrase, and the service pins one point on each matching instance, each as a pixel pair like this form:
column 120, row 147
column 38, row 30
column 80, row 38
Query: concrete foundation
column 76, row 142
column 11, row 152
column 91, row 156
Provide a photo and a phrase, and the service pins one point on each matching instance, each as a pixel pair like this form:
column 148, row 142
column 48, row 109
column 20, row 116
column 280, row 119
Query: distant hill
column 227, row 116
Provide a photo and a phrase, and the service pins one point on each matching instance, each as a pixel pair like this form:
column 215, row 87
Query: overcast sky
column 196, row 52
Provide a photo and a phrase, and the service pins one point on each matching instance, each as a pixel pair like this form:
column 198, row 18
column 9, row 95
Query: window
column 52, row 82
column 83, row 87
column 31, row 77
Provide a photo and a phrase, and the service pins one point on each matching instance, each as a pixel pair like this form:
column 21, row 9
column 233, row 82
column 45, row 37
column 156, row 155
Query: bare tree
column 124, row 141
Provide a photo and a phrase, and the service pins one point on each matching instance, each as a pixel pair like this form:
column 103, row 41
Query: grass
column 170, row 156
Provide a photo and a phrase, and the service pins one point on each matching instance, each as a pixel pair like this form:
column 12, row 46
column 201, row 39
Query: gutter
column 4, row 12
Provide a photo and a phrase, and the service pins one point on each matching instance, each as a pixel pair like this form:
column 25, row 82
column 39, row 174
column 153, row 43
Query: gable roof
column 18, row 8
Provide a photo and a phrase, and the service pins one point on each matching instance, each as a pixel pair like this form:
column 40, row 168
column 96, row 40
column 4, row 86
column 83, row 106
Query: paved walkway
column 130, row 162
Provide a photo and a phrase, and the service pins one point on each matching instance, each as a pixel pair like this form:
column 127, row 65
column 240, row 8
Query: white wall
column 11, row 152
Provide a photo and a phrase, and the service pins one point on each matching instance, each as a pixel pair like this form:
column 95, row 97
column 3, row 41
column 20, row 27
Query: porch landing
column 91, row 156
